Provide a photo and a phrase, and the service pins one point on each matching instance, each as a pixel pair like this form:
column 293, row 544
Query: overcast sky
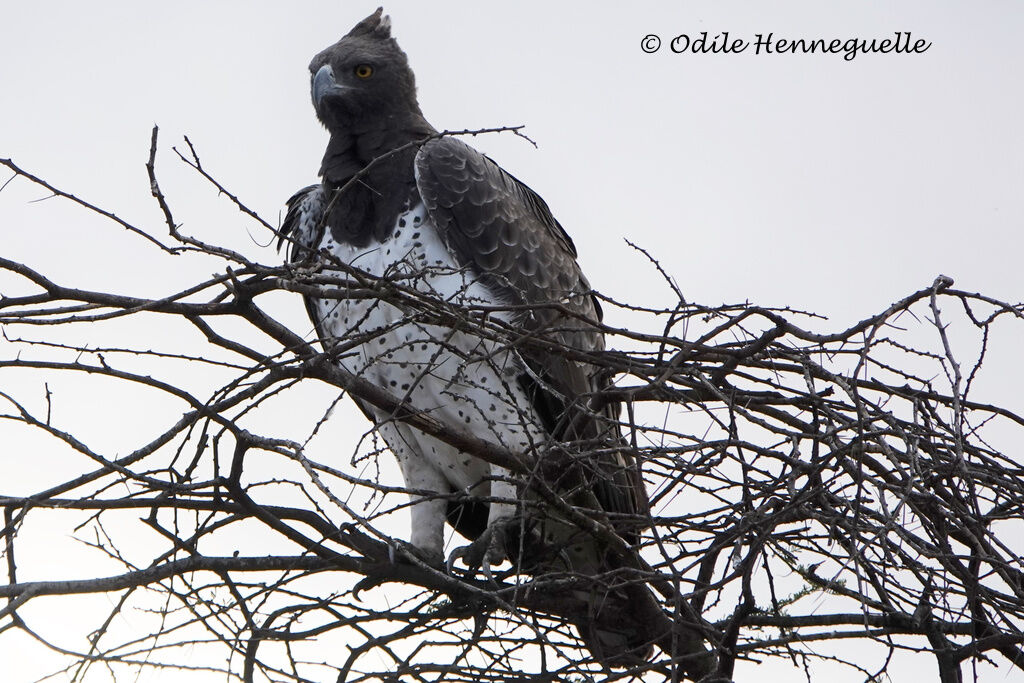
column 811, row 181
column 806, row 180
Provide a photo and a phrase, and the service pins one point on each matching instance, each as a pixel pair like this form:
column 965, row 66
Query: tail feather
column 614, row 638
column 622, row 621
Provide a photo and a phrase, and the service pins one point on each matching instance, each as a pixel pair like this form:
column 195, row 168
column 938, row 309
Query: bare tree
column 808, row 488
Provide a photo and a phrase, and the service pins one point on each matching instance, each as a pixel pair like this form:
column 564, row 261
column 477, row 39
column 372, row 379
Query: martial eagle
column 425, row 211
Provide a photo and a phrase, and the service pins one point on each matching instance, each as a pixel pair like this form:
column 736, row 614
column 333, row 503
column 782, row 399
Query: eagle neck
column 367, row 210
column 353, row 148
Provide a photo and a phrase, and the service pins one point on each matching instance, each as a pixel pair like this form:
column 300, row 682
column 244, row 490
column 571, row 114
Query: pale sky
column 788, row 180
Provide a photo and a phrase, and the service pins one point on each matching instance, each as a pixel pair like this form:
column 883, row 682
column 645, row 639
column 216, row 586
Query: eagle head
column 363, row 81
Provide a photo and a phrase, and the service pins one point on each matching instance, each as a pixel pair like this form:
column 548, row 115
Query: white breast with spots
column 458, row 377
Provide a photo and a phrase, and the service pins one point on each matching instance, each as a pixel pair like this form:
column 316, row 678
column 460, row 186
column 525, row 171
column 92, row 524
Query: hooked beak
column 324, row 85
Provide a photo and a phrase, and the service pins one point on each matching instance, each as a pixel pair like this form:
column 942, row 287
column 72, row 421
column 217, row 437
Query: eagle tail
column 622, row 620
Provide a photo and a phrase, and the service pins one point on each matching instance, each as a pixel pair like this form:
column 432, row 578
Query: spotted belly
column 458, row 377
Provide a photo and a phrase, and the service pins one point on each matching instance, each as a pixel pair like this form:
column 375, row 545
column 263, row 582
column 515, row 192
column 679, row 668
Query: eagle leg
column 429, row 492
column 491, row 547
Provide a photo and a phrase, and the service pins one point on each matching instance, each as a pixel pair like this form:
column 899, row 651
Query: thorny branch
column 808, row 487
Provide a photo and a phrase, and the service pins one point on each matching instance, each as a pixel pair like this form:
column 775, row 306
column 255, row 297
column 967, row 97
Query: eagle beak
column 324, row 85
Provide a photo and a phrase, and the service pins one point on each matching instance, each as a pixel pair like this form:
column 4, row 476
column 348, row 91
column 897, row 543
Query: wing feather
column 502, row 229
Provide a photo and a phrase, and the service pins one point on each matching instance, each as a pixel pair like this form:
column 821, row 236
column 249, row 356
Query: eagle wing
column 302, row 230
column 505, row 232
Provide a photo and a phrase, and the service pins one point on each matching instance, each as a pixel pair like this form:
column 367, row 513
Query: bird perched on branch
column 431, row 216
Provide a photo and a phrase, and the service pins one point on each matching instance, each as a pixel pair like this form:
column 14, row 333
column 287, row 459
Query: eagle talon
column 400, row 551
column 487, row 549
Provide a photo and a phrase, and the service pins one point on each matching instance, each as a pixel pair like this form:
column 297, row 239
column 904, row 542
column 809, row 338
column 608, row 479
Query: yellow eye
column 363, row 71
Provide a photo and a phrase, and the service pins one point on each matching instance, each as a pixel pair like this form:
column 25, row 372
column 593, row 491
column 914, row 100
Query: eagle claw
column 400, row 551
column 488, row 549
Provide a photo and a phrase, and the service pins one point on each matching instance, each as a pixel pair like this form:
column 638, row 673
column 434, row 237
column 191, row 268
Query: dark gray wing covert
column 504, row 231
column 303, row 231
column 303, row 223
